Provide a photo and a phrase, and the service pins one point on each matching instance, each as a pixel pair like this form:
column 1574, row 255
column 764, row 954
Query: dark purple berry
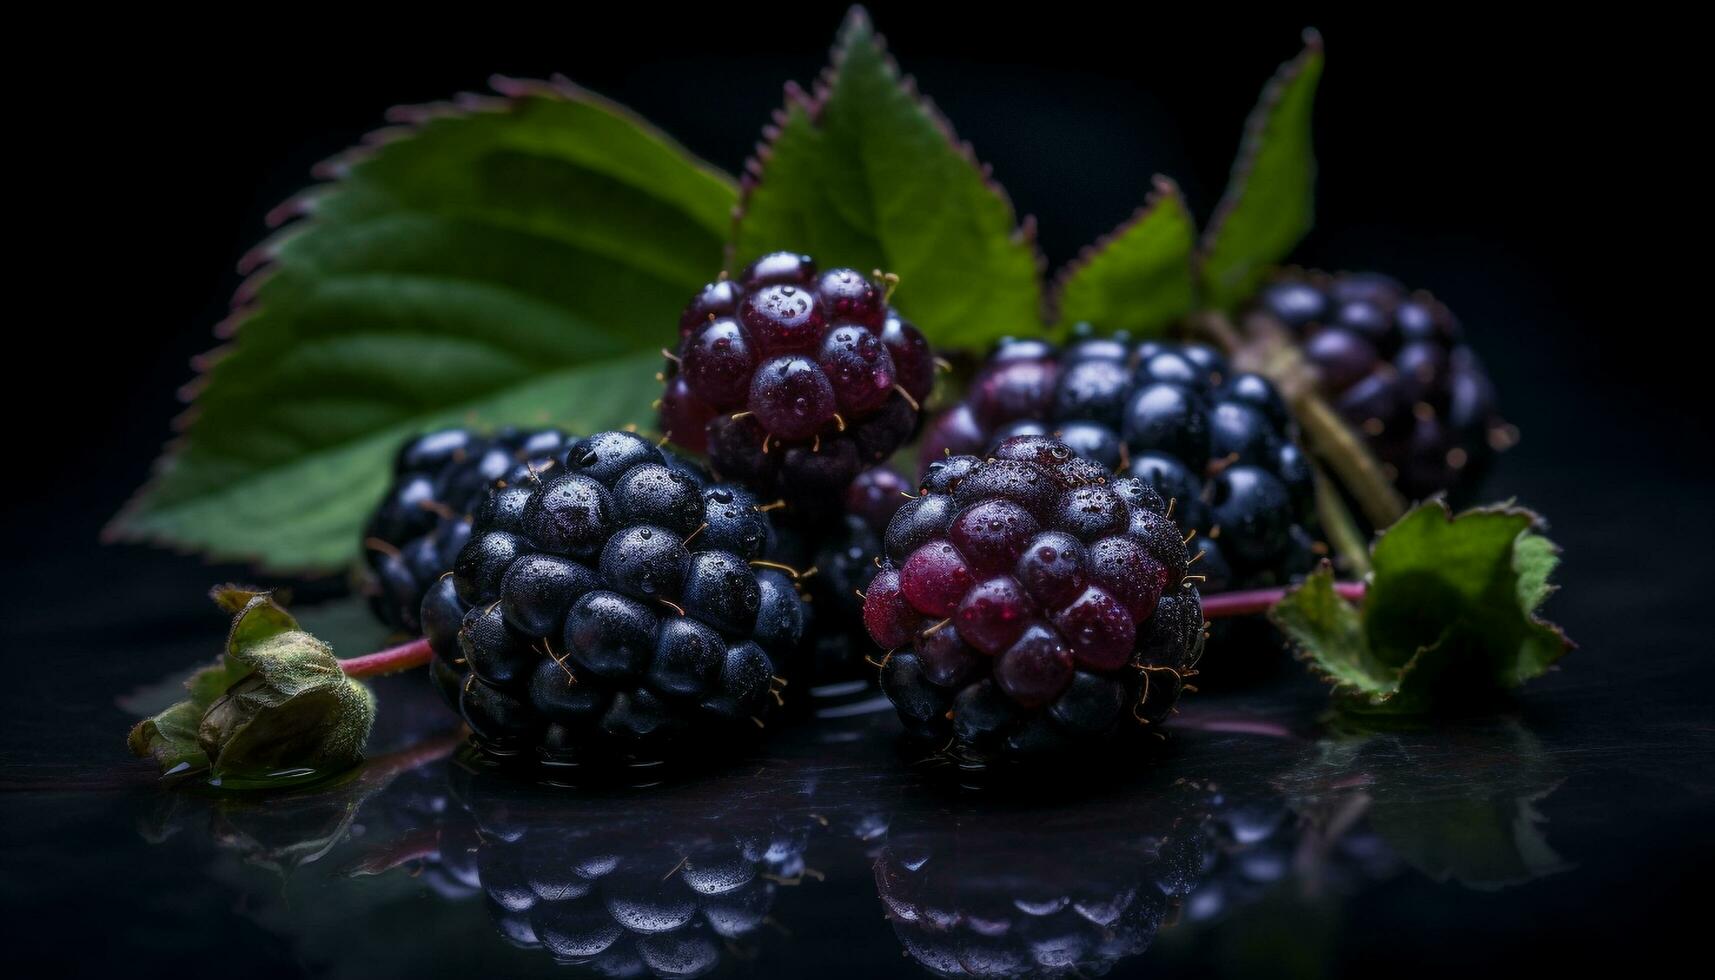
column 777, row 268
column 717, row 362
column 1168, row 419
column 791, row 397
column 847, row 294
column 717, row 299
column 1341, row 358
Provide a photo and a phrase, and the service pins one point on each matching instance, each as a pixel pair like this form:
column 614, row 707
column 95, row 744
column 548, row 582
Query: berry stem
column 389, row 661
column 1225, row 605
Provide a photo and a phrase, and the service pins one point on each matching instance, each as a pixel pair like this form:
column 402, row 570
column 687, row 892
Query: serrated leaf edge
column 1250, row 141
column 1163, row 190
column 1356, row 697
column 294, row 216
column 813, row 101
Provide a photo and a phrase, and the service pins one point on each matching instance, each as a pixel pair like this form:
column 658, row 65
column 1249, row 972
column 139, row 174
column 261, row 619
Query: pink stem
column 1223, row 605
column 389, row 661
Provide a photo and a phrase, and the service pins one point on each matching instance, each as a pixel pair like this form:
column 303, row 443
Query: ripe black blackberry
column 1218, row 446
column 1031, row 603
column 1395, row 365
column 424, row 520
column 792, row 381
column 638, row 891
column 612, row 608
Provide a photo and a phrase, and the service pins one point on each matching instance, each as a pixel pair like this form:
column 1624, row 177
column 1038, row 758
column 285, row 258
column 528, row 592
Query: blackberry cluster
column 843, row 552
column 424, row 520
column 992, row 902
column 1216, row 445
column 653, row 893
column 1032, row 602
column 611, row 608
column 792, row 381
column 1395, row 365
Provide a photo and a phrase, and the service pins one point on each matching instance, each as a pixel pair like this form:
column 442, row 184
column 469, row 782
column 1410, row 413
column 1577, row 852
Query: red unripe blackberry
column 794, row 380
column 1022, row 596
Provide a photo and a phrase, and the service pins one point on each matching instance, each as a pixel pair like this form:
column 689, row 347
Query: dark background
column 1513, row 169
column 1531, row 174
column 1527, row 173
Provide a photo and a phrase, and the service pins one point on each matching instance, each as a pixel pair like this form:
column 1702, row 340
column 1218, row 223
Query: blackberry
column 989, row 900
column 613, row 611
column 792, row 381
column 1030, row 604
column 1396, row 366
column 1216, row 445
column 842, row 551
column 425, row 518
column 638, row 891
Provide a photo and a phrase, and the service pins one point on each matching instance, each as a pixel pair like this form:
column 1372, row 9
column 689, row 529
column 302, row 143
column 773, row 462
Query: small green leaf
column 1449, row 616
column 864, row 173
column 511, row 259
column 1269, row 204
column 170, row 738
column 1138, row 278
column 274, row 710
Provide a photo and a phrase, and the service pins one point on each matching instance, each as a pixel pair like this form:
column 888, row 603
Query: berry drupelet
column 424, row 520
column 612, row 607
column 1216, row 445
column 1032, row 602
column 1395, row 365
column 794, row 380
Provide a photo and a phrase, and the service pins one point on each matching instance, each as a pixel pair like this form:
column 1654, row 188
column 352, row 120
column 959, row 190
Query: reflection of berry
column 989, row 900
column 1395, row 365
column 613, row 607
column 665, row 894
column 424, row 520
column 792, row 380
column 1030, row 603
column 1216, row 445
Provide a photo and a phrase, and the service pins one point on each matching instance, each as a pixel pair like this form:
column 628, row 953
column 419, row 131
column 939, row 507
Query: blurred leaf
column 501, row 259
column 1269, row 204
column 1139, row 277
column 863, row 172
column 1449, row 617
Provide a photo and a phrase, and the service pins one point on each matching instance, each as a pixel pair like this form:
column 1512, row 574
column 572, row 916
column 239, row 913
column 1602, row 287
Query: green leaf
column 170, row 739
column 276, row 709
column 1449, row 616
column 1269, row 204
column 511, row 259
column 864, row 173
column 1138, row 278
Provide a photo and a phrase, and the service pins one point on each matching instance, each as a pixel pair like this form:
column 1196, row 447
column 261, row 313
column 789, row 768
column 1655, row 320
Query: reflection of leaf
column 1449, row 616
column 1457, row 804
